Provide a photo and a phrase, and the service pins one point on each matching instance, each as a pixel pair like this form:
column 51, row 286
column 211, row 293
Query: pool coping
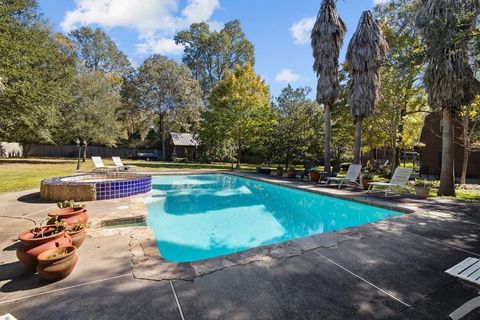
column 147, row 262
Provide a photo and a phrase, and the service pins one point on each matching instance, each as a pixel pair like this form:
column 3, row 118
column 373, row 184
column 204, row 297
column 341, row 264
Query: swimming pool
column 195, row 217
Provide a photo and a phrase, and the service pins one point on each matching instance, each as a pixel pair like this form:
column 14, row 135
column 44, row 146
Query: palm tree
column 2, row 86
column 327, row 38
column 365, row 55
column 446, row 27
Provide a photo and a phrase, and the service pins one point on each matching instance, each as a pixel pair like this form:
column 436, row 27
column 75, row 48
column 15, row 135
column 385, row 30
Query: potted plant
column 315, row 175
column 75, row 231
column 68, row 212
column 57, row 263
column 258, row 169
column 39, row 239
column 422, row 187
column 280, row 171
column 292, row 173
column 367, row 177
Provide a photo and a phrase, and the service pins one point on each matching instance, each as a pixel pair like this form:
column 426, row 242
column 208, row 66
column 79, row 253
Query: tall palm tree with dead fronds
column 2, row 86
column 447, row 26
column 327, row 39
column 366, row 53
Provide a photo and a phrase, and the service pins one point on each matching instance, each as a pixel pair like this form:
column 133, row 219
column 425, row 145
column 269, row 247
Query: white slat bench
column 469, row 270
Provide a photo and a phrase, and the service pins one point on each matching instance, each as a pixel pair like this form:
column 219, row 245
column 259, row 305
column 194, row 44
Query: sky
column 278, row 29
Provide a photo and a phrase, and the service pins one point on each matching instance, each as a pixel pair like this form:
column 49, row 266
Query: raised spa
column 95, row 186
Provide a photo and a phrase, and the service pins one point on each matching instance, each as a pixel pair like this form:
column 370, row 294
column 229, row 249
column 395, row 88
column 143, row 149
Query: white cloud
column 375, row 2
column 161, row 46
column 287, row 75
column 156, row 21
column 302, row 29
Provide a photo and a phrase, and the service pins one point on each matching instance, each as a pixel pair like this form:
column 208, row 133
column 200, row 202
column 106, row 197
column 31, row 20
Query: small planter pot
column 422, row 192
column 69, row 216
column 77, row 237
column 292, row 174
column 365, row 183
column 31, row 247
column 314, row 176
column 258, row 169
column 53, row 265
column 280, row 172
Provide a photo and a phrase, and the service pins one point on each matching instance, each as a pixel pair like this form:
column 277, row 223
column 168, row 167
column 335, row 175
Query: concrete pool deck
column 392, row 269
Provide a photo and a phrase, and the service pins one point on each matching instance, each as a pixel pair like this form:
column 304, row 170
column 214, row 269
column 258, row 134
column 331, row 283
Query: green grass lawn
column 23, row 174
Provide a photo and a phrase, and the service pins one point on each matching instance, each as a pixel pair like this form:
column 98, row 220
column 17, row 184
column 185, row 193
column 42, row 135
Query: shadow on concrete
column 31, row 198
column 27, row 281
column 12, row 270
column 13, row 247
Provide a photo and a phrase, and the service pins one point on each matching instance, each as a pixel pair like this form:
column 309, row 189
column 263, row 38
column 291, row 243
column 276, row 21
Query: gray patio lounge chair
column 99, row 166
column 351, row 176
column 119, row 164
column 399, row 179
column 468, row 270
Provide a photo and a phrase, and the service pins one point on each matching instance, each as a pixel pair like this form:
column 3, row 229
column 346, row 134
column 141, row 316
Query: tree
column 36, row 73
column 366, row 53
column 98, row 52
column 398, row 116
column 92, row 114
column 168, row 90
column 342, row 130
column 469, row 119
column 211, row 54
column 295, row 132
column 327, row 39
column 239, row 110
column 447, row 28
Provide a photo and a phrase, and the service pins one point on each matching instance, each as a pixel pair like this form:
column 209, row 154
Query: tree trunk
column 239, row 155
column 447, row 173
column 84, row 152
column 466, row 155
column 466, row 148
column 328, row 139
column 162, row 136
column 26, row 149
column 358, row 140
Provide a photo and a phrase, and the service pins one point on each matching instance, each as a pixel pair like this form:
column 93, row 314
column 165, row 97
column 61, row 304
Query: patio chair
column 351, row 176
column 305, row 173
column 468, row 270
column 119, row 164
column 99, row 166
column 399, row 179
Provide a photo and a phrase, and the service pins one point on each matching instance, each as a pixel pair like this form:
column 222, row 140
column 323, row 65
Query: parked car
column 147, row 156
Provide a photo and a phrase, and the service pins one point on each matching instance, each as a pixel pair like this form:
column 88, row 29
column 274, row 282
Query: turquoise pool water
column 196, row 217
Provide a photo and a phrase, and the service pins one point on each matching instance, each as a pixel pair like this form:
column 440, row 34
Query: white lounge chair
column 119, row 164
column 399, row 179
column 99, row 166
column 468, row 270
column 351, row 176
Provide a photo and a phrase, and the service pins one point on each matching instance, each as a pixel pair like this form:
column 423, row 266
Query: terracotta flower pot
column 422, row 192
column 280, row 172
column 70, row 216
column 31, row 247
column 365, row 183
column 292, row 174
column 52, row 266
column 77, row 237
column 314, row 176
